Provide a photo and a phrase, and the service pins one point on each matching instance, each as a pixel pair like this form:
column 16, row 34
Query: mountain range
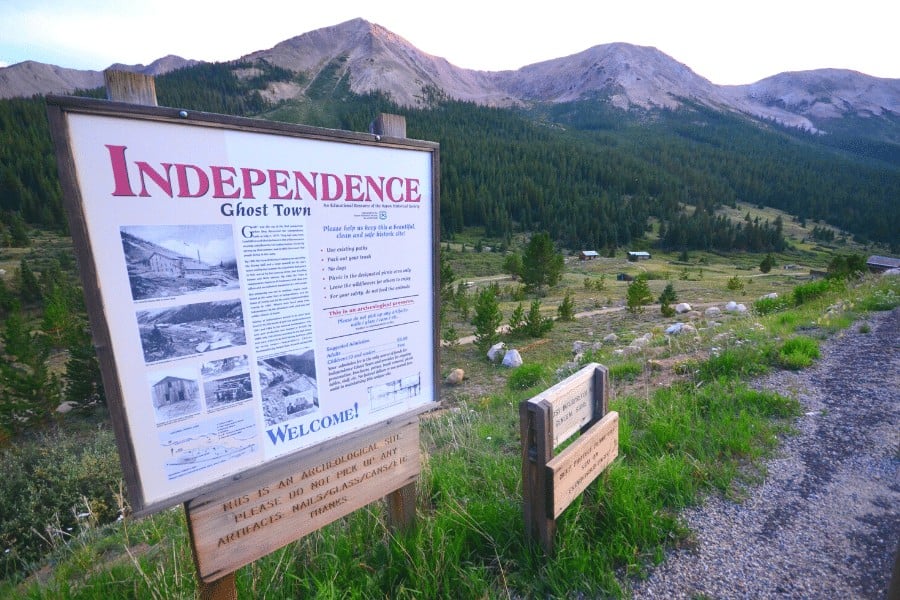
column 626, row 76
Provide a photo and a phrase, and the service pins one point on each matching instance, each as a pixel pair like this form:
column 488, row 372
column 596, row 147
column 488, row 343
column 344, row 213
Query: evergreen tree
column 638, row 294
column 541, row 263
column 83, row 382
column 666, row 299
column 566, row 309
column 28, row 392
column 487, row 319
column 536, row 325
column 447, row 276
column 29, row 288
column 767, row 263
column 512, row 265
column 517, row 321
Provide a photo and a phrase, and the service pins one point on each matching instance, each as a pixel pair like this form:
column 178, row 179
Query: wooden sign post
column 263, row 313
column 550, row 483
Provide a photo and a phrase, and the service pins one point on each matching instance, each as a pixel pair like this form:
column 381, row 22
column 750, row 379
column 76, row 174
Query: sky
column 725, row 41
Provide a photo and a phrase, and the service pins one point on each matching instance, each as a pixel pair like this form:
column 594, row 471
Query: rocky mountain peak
column 371, row 58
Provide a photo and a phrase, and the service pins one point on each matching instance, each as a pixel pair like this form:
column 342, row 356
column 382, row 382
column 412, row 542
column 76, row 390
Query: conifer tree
column 487, row 319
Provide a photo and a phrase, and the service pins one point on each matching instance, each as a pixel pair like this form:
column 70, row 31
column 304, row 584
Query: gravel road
column 825, row 523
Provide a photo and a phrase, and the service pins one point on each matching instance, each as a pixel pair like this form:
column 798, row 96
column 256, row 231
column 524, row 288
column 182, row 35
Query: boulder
column 455, row 377
column 682, row 307
column 693, row 314
column 611, row 338
column 735, row 307
column 674, row 328
column 66, row 407
column 512, row 359
column 496, row 351
column 713, row 311
column 771, row 296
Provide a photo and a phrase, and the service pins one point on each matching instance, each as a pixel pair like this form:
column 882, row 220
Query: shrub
column 53, row 485
column 735, row 284
column 765, row 306
column 798, row 353
column 526, row 376
column 627, row 371
column 809, row 291
column 880, row 299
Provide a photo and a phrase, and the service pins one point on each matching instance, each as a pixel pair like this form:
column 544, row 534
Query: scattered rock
column 66, row 407
column 713, row 311
column 496, row 351
column 771, row 296
column 735, row 307
column 455, row 377
column 512, row 359
column 674, row 329
column 682, row 307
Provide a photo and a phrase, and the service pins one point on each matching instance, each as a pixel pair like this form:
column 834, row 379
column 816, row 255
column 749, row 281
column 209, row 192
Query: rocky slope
column 28, row 78
column 629, row 77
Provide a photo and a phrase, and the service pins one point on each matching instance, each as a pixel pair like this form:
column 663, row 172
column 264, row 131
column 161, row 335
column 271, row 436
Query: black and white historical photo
column 190, row 329
column 175, row 260
column 175, row 394
column 224, row 392
column 225, row 367
column 289, row 388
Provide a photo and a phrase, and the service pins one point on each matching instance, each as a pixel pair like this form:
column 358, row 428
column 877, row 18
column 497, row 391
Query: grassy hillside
column 470, row 537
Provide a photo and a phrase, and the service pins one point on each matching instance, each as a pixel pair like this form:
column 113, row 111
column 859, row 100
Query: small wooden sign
column 571, row 403
column 246, row 521
column 577, row 404
column 570, row 472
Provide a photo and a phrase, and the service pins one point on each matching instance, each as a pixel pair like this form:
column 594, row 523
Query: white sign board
column 264, row 289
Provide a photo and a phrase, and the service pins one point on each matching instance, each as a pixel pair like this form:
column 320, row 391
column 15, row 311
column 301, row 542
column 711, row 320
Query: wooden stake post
column 232, row 525
column 549, row 484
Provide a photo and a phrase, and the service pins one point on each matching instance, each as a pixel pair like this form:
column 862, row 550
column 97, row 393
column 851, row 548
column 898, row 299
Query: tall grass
column 675, row 444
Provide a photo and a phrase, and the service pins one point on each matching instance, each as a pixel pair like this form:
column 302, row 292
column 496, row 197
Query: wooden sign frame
column 578, row 404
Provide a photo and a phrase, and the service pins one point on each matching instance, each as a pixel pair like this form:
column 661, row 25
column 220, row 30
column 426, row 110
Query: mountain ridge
column 629, row 77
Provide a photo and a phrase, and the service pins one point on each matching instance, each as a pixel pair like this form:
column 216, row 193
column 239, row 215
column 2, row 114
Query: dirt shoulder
column 825, row 523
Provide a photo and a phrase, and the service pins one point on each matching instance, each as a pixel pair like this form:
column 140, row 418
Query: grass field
column 689, row 425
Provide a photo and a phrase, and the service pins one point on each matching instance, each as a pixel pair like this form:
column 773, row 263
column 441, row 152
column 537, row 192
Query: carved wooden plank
column 572, row 403
column 577, row 466
column 235, row 526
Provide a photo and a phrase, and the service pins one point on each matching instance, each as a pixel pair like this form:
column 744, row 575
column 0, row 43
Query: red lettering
column 164, row 183
column 184, row 182
column 120, row 170
column 328, row 180
column 279, row 179
column 412, row 190
column 252, row 177
column 354, row 185
column 219, row 182
column 392, row 182
column 375, row 186
column 310, row 186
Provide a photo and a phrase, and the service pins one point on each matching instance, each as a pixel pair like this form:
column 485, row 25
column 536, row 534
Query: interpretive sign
column 255, row 289
column 549, row 484
column 318, row 486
